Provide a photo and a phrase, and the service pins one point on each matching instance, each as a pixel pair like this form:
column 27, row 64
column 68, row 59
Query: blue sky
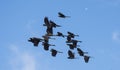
column 96, row 21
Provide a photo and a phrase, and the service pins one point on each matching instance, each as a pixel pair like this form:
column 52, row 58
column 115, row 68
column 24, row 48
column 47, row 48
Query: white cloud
column 22, row 60
column 86, row 9
column 28, row 62
column 30, row 26
column 116, row 36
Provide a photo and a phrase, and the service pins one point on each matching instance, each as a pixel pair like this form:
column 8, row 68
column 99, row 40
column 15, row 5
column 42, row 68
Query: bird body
column 61, row 15
column 72, row 34
column 60, row 34
column 54, row 52
column 71, row 46
column 46, row 45
column 53, row 24
column 68, row 39
column 75, row 42
column 35, row 41
column 80, row 52
column 70, row 55
column 86, row 58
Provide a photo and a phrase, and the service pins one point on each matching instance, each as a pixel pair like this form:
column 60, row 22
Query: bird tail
column 73, row 58
column 52, row 38
column 51, row 45
column 58, row 25
column 80, row 41
column 56, row 35
column 60, row 52
column 77, row 35
column 68, row 16
column 78, row 45
column 86, row 52
column 65, row 35
column 90, row 56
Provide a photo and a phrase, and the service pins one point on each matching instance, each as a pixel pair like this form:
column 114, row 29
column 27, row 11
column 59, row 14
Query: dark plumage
column 71, row 46
column 49, row 29
column 61, row 15
column 50, row 24
column 86, row 58
column 35, row 41
column 80, row 52
column 46, row 45
column 60, row 34
column 71, row 55
column 68, row 39
column 72, row 34
column 46, row 38
column 46, row 21
column 53, row 24
column 75, row 42
column 54, row 52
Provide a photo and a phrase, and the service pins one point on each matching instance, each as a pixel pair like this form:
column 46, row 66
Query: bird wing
column 60, row 14
column 86, row 59
column 46, row 21
column 70, row 54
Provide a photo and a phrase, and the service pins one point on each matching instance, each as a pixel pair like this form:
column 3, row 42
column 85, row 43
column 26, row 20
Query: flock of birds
column 70, row 41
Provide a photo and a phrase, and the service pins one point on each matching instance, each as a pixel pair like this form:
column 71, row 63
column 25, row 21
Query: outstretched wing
column 71, row 55
column 80, row 52
column 54, row 52
column 53, row 24
column 46, row 21
column 60, row 14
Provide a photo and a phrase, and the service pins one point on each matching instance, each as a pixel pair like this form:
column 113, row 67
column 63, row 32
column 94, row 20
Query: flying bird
column 60, row 34
column 61, row 15
column 75, row 42
column 35, row 41
column 49, row 31
column 80, row 52
column 46, row 45
column 72, row 34
column 50, row 24
column 69, row 40
column 46, row 21
column 46, row 38
column 71, row 46
column 86, row 58
column 53, row 24
column 71, row 55
column 54, row 52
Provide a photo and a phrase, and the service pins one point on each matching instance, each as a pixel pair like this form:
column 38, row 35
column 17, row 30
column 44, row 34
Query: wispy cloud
column 116, row 36
column 30, row 26
column 22, row 60
column 34, row 27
